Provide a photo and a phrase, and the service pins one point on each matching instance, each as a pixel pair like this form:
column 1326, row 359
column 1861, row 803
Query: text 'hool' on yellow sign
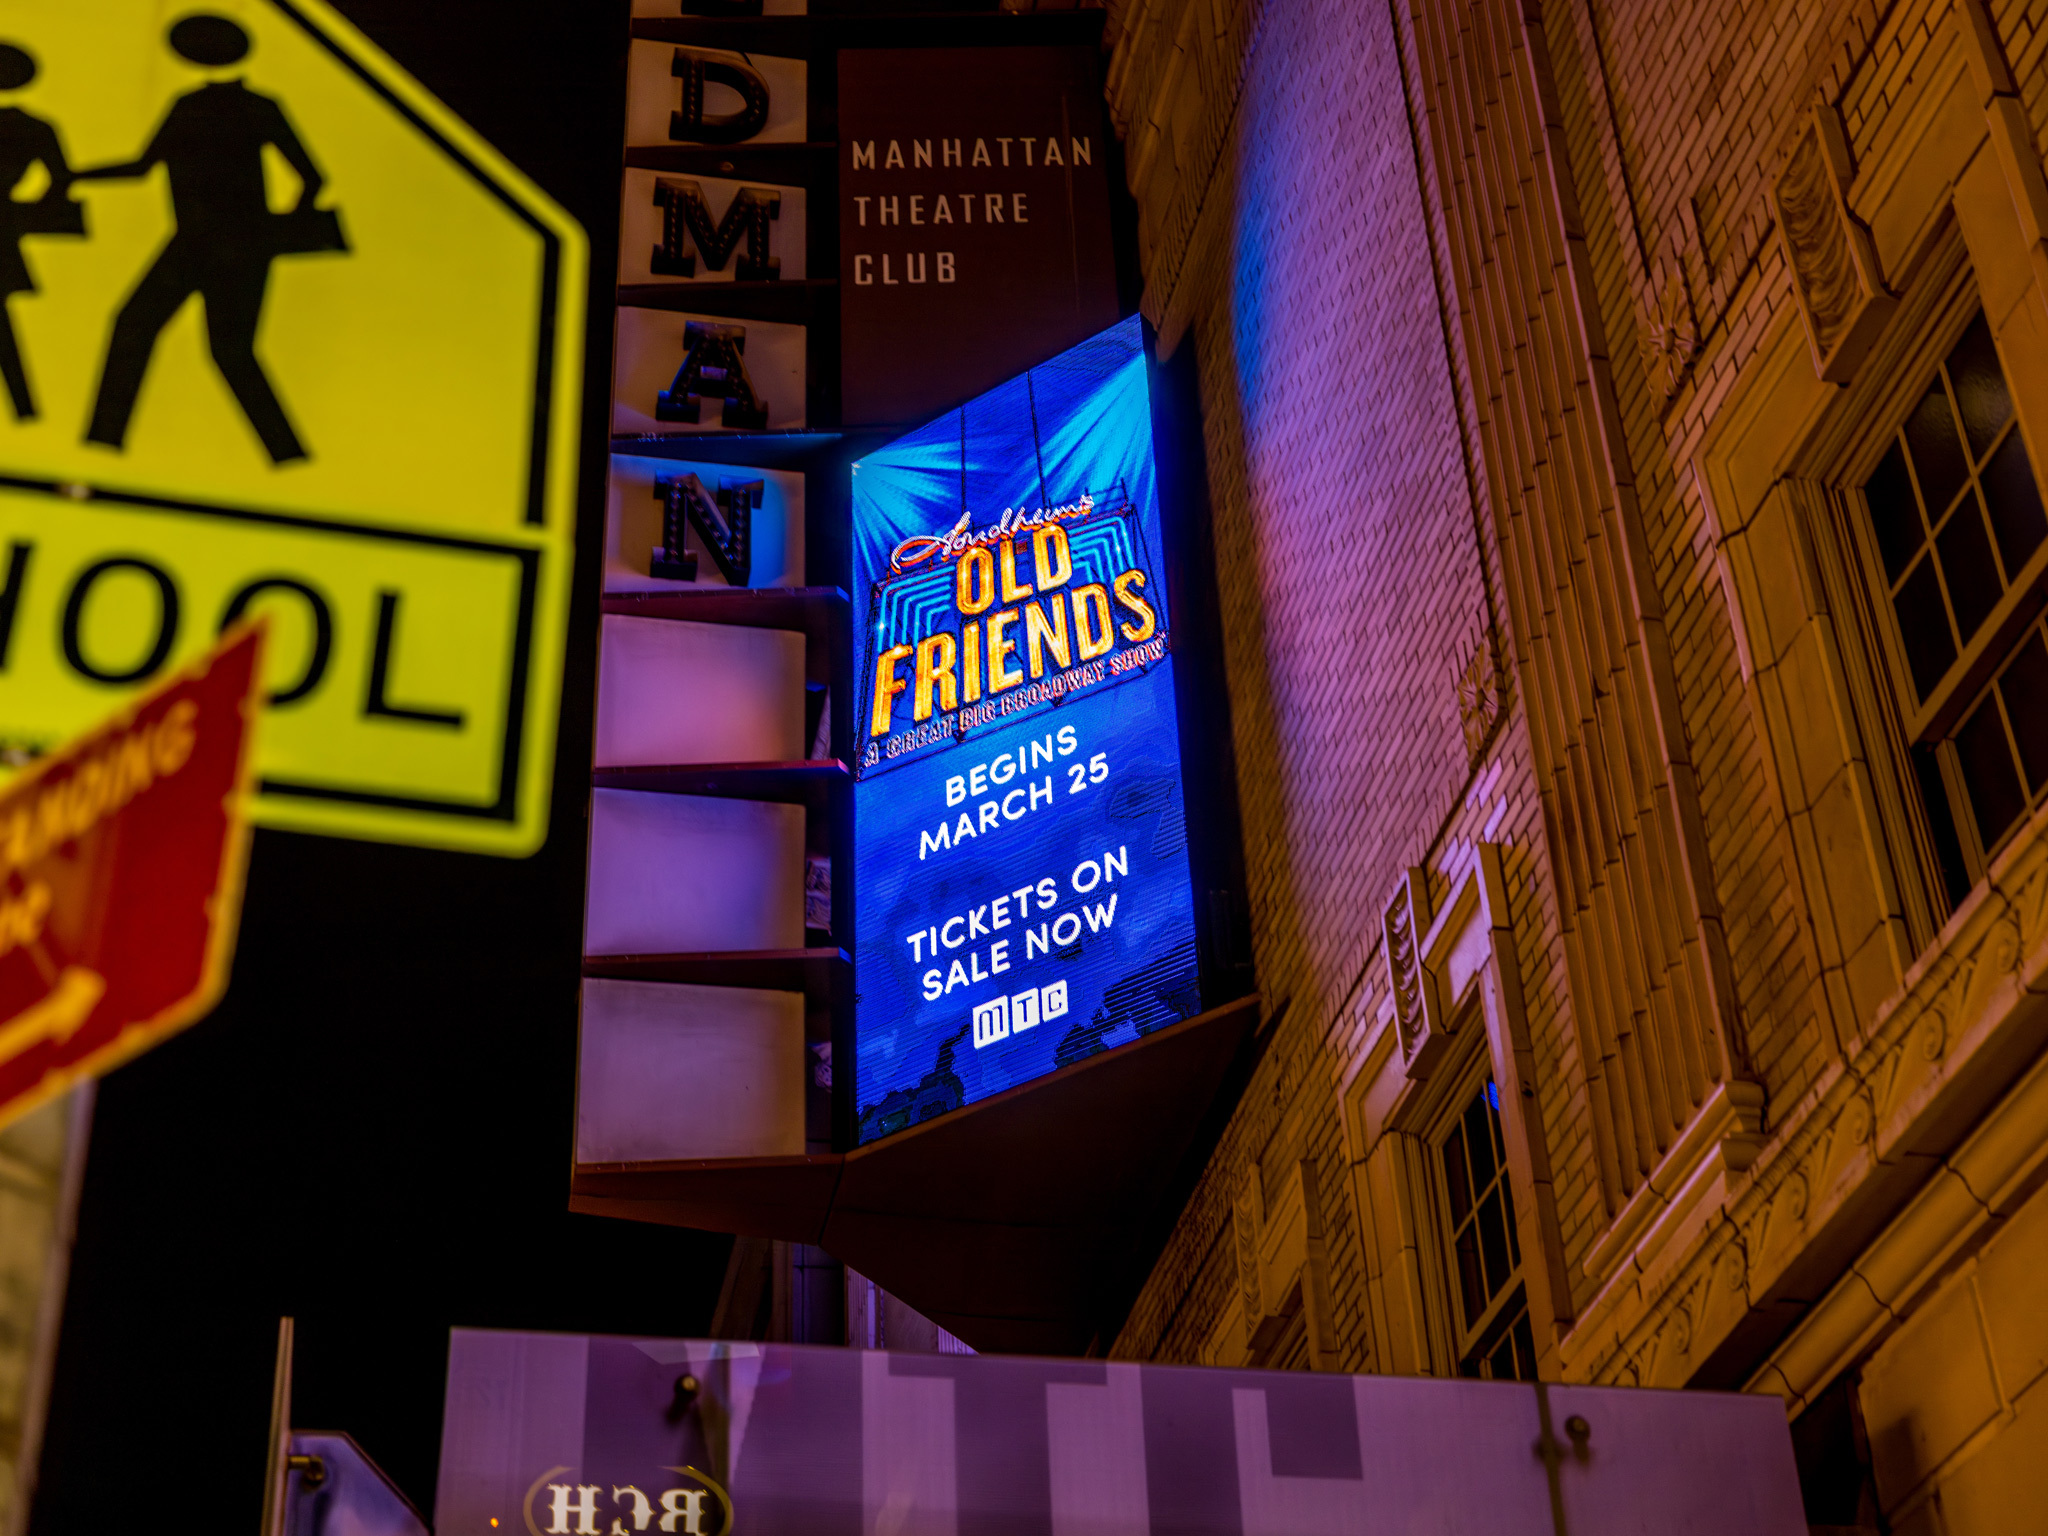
column 282, row 336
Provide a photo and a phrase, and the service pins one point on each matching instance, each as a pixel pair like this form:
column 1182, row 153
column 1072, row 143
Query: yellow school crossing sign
column 283, row 337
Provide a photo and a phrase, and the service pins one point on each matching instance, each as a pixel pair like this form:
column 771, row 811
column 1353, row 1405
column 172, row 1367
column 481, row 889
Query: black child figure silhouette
column 212, row 142
column 26, row 140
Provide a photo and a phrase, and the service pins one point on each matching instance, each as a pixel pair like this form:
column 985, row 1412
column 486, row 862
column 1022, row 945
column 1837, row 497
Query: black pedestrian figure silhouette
column 212, row 143
column 26, row 140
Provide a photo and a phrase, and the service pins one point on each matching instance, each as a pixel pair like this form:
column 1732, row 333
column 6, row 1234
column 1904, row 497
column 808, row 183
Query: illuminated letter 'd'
column 696, row 70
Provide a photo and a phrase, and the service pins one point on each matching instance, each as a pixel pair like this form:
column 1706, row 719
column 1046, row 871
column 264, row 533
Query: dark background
column 372, row 1133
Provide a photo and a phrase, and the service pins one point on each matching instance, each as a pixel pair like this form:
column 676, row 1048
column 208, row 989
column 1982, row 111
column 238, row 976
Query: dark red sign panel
column 974, row 237
column 121, row 862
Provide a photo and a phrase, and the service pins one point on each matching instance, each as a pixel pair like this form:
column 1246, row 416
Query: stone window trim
column 1976, row 168
column 1900, row 860
column 1823, row 660
column 1776, row 477
column 1851, row 673
column 1405, row 1152
column 1472, row 998
column 1933, row 717
column 1477, row 1320
column 1910, row 723
column 1957, row 214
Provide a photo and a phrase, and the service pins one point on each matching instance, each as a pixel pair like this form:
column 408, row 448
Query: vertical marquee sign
column 1020, row 836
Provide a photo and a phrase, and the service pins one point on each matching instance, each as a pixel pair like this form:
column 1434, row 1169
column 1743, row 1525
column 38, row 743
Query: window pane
column 1980, row 387
column 1500, row 1365
column 2025, row 687
column 1525, row 1348
column 1471, row 1285
column 1923, row 622
column 1894, row 515
column 1973, row 584
column 2015, row 503
column 1479, row 1143
column 1994, row 784
column 1941, row 826
column 1937, row 451
column 1493, row 1242
column 1456, row 1189
column 1508, row 1352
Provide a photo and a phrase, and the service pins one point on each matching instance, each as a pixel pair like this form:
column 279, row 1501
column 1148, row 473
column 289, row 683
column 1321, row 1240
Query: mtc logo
column 572, row 1509
column 1001, row 1017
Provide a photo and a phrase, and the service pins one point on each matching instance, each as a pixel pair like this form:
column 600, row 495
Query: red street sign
column 121, row 860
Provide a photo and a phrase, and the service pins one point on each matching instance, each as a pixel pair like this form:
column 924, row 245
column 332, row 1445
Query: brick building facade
column 1624, row 424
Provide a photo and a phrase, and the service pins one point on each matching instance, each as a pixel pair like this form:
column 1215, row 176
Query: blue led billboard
column 1020, row 840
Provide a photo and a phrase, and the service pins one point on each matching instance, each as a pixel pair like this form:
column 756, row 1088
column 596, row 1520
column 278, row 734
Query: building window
column 1290, row 1352
column 1494, row 1337
column 1956, row 524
